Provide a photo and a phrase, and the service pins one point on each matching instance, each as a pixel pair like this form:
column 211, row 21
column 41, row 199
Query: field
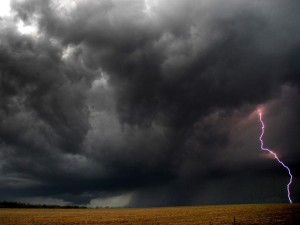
column 284, row 214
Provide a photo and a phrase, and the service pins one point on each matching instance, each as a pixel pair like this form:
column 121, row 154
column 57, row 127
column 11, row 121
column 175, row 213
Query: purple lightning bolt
column 274, row 154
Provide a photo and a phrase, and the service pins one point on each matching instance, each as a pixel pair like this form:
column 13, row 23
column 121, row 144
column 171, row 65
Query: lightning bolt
column 274, row 155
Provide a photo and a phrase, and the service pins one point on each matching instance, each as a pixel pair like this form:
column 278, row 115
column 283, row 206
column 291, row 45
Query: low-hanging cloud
column 114, row 97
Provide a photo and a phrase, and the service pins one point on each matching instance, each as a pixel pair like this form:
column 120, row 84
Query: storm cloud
column 147, row 103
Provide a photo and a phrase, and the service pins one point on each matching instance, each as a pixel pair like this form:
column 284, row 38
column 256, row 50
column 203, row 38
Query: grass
column 266, row 214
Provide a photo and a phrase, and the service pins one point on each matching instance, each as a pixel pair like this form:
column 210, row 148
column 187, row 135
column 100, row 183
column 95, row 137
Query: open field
column 268, row 214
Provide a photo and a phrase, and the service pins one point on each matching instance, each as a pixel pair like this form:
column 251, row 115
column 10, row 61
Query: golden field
column 267, row 214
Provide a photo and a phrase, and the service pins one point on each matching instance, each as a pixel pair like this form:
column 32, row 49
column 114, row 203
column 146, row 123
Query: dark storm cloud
column 112, row 100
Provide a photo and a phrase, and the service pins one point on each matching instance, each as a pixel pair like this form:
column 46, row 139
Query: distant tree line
column 6, row 204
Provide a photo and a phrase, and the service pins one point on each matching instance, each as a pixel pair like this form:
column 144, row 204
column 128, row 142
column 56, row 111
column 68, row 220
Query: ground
column 265, row 214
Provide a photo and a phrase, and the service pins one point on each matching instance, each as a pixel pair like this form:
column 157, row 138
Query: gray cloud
column 109, row 99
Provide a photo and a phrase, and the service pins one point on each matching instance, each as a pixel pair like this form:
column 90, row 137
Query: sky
column 132, row 103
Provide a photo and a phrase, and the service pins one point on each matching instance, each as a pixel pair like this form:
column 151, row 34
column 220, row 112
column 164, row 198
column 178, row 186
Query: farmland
column 270, row 214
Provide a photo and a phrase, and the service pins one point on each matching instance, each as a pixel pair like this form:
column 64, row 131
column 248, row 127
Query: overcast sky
column 148, row 103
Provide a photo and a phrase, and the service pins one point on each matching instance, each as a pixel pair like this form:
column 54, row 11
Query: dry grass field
column 284, row 214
